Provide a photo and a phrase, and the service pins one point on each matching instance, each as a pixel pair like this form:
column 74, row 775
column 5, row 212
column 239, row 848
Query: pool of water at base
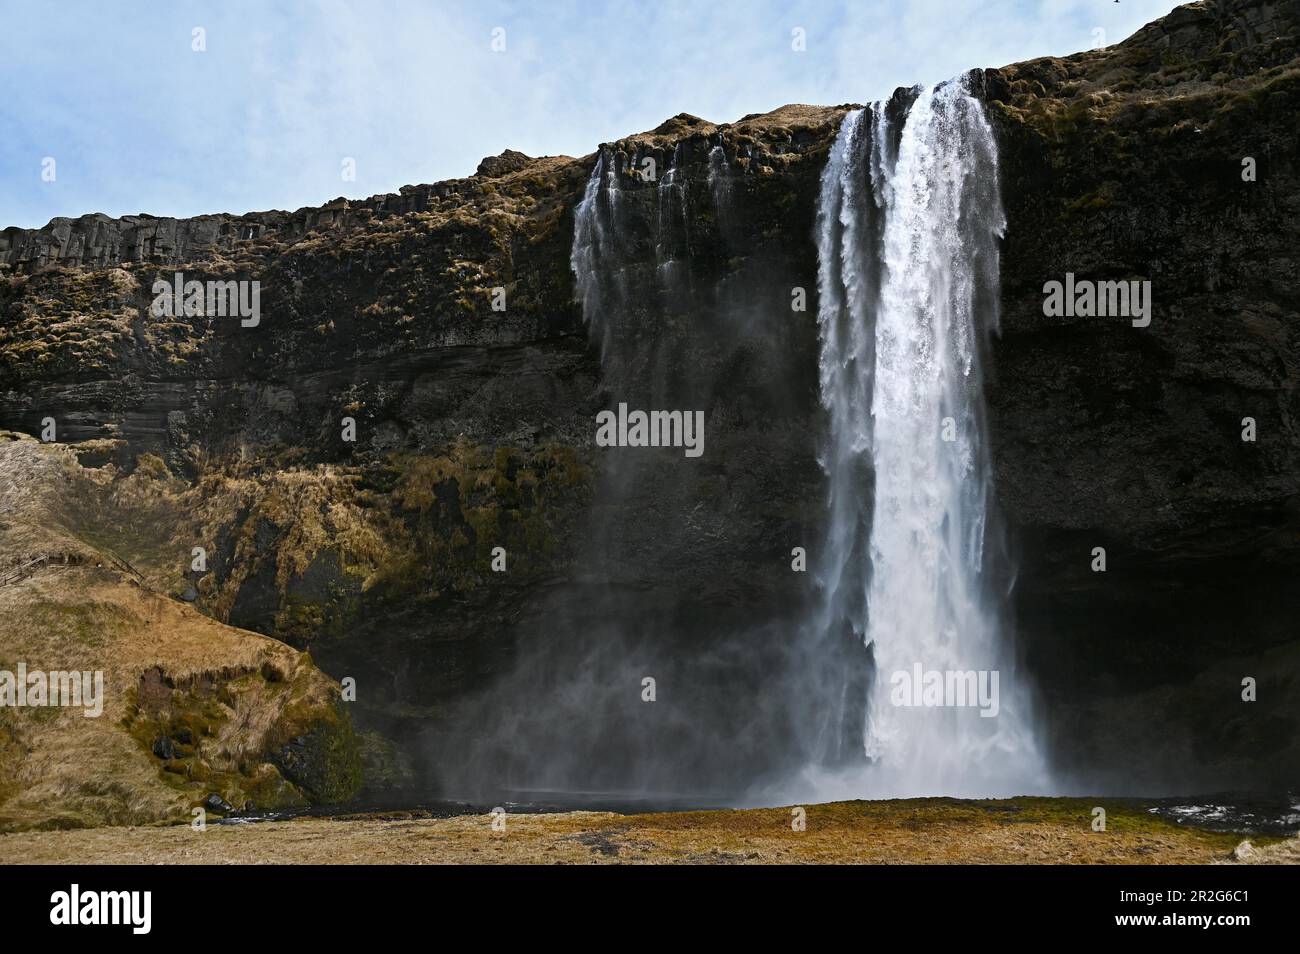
column 1246, row 813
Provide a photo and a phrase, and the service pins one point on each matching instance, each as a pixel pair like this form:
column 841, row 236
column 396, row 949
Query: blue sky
column 138, row 121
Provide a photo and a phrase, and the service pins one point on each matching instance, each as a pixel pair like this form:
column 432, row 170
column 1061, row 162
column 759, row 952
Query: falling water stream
column 908, row 225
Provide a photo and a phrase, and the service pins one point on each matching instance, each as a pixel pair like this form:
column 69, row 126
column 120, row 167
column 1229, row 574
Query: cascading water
column 908, row 224
column 720, row 187
column 592, row 244
column 690, row 308
column 620, row 689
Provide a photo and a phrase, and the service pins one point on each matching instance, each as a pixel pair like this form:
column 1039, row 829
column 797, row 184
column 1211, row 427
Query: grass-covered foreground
column 926, row 831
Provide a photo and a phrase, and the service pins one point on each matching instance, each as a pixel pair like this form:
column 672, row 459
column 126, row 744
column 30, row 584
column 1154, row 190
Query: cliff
column 474, row 426
column 1129, row 163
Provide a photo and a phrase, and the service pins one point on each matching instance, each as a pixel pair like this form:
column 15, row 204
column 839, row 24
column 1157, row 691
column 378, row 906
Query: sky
column 282, row 94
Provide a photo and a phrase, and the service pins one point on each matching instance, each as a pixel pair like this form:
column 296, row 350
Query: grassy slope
column 239, row 696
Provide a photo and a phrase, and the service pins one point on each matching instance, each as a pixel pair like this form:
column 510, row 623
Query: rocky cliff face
column 443, row 323
column 1129, row 163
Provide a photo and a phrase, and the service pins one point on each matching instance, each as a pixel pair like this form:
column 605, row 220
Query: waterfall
column 782, row 693
column 593, row 244
column 720, row 187
column 908, row 225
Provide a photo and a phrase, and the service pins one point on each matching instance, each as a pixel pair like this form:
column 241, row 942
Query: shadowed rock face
column 475, row 427
column 1127, row 164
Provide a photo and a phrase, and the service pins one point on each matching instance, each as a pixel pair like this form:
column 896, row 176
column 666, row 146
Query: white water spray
column 908, row 224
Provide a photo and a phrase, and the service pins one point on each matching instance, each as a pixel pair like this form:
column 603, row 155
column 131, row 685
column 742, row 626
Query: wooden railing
column 22, row 571
column 27, row 568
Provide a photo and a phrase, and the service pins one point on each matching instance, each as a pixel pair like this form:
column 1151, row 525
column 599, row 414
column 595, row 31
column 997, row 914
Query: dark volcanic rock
column 164, row 748
column 215, row 803
column 1127, row 163
column 496, row 166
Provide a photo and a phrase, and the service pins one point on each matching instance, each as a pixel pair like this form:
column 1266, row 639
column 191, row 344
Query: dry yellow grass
column 1039, row 831
column 59, row 768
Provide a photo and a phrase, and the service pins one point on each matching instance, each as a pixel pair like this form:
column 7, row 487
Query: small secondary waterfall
column 634, row 680
column 908, row 223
